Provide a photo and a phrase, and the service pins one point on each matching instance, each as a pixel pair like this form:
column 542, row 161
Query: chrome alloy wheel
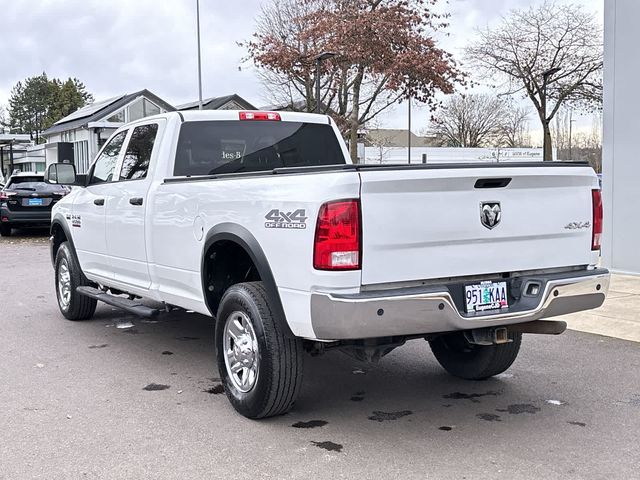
column 64, row 284
column 241, row 351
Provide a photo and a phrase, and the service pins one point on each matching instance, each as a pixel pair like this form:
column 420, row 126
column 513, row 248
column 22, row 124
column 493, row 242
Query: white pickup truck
column 260, row 220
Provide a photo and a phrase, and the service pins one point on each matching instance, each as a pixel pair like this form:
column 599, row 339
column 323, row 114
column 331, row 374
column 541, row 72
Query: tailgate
column 430, row 223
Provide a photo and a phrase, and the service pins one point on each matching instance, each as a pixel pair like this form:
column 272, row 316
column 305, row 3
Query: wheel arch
column 240, row 237
column 60, row 233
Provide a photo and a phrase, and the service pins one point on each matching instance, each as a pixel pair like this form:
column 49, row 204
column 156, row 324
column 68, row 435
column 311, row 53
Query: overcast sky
column 122, row 46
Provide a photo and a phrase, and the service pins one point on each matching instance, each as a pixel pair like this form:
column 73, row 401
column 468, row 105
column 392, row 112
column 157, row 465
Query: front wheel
column 474, row 362
column 69, row 276
column 260, row 367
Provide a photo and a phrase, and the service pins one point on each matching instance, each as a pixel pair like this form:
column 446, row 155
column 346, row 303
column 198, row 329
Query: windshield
column 33, row 184
column 210, row 147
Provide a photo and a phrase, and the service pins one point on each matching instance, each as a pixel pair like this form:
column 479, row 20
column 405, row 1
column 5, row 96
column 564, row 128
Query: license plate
column 486, row 296
column 35, row 202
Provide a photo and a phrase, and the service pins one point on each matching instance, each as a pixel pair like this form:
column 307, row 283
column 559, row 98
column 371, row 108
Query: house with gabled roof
column 228, row 102
column 89, row 127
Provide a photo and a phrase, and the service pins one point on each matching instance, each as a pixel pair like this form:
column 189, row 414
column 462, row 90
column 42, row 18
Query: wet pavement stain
column 357, row 397
column 489, row 417
column 635, row 401
column 167, row 352
column 215, row 390
column 388, row 416
column 330, row 446
column 310, row 424
column 102, row 345
column 445, row 428
column 153, row 387
column 519, row 408
column 187, row 338
column 578, row 424
column 469, row 396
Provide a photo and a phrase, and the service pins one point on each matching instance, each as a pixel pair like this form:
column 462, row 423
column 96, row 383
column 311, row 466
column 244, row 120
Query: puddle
column 555, row 402
column 310, row 424
column 215, row 390
column 489, row 417
column 152, row 387
column 519, row 408
column 167, row 352
column 389, row 416
column 124, row 325
column 578, row 424
column 330, row 446
column 469, row 396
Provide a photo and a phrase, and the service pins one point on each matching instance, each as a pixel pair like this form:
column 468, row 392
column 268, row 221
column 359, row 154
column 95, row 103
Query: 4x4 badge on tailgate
column 490, row 214
column 279, row 219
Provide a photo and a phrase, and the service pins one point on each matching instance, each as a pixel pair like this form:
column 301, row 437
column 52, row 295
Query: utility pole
column 571, row 120
column 199, row 60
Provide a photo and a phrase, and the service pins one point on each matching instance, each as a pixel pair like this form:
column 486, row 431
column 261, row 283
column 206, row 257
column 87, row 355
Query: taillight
column 260, row 116
column 596, row 238
column 337, row 240
column 6, row 195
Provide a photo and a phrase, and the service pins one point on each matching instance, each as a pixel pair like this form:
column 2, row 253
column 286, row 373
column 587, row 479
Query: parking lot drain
column 330, row 446
column 388, row 416
column 310, row 424
column 445, row 428
column 519, row 408
column 152, row 387
column 167, row 352
column 469, row 396
column 489, row 417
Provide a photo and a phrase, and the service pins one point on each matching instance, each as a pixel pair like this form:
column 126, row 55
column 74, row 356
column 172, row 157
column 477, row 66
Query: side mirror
column 61, row 174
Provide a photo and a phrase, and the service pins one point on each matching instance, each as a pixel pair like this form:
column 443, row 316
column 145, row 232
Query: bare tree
column 471, row 120
column 385, row 52
column 551, row 53
column 514, row 129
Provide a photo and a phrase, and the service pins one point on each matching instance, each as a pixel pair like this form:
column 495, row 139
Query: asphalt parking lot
column 91, row 400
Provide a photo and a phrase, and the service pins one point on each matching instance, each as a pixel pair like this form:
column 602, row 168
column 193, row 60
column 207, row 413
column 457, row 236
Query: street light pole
column 409, row 133
column 546, row 136
column 319, row 59
column 199, row 61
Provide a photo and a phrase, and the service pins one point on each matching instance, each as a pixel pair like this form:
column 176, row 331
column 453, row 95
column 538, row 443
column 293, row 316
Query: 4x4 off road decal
column 279, row 219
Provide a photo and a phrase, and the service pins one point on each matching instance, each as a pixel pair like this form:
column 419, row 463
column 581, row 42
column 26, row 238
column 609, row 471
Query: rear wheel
column 474, row 362
column 5, row 230
column 260, row 368
column 69, row 276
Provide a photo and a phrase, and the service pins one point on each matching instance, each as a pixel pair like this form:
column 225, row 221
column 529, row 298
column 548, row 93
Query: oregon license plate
column 35, row 202
column 486, row 296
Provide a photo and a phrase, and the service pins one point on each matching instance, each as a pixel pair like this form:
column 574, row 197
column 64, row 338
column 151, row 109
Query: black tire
column 279, row 359
column 5, row 230
column 474, row 362
column 77, row 307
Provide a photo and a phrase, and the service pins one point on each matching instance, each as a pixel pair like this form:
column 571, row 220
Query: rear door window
column 135, row 164
column 211, row 147
column 33, row 184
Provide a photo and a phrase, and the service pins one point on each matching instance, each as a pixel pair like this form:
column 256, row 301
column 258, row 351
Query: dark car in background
column 26, row 201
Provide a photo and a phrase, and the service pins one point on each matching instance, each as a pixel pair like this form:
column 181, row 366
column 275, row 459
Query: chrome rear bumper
column 433, row 309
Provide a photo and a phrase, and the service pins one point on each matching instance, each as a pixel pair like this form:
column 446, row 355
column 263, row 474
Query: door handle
column 99, row 201
column 135, row 200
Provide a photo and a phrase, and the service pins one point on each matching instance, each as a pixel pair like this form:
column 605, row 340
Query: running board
column 131, row 306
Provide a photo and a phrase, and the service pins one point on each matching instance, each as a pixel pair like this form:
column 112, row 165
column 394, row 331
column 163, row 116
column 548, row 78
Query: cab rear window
column 211, row 147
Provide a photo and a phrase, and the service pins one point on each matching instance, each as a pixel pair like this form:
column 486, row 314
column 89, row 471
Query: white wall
column 620, row 162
